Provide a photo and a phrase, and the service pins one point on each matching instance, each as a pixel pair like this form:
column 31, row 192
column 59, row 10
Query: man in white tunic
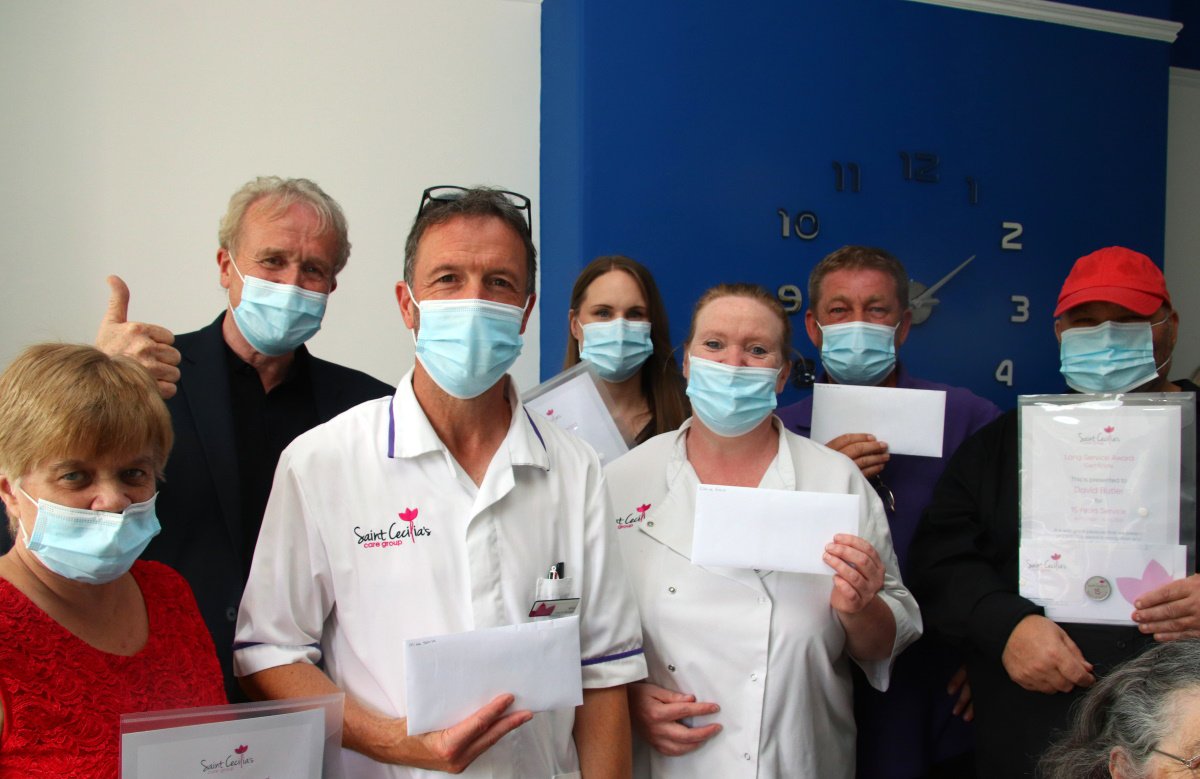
column 438, row 511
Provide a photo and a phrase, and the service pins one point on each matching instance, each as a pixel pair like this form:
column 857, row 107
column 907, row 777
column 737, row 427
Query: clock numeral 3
column 806, row 224
column 1009, row 241
column 1022, row 305
column 1004, row 372
column 839, row 179
column 920, row 166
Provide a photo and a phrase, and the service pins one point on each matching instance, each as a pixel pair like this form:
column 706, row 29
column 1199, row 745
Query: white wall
column 127, row 124
column 1182, row 259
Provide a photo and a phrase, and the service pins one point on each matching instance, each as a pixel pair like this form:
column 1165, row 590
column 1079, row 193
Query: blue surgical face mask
column 1109, row 357
column 276, row 318
column 89, row 546
column 730, row 400
column 617, row 348
column 858, row 352
column 467, row 345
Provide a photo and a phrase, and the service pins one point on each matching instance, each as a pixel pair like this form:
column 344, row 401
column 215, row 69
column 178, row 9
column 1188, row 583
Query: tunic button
column 671, row 590
column 754, row 677
column 746, row 755
column 670, row 668
column 650, row 523
column 231, row 614
column 1121, row 645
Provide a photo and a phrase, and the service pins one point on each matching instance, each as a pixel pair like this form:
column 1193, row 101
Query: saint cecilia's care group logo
column 1054, row 563
column 239, row 759
column 1107, row 435
column 633, row 518
column 394, row 534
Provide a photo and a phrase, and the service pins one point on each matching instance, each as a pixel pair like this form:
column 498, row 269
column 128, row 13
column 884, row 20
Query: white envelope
column 771, row 530
column 449, row 677
column 910, row 421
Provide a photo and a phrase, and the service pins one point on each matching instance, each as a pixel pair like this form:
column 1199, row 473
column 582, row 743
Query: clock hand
column 926, row 297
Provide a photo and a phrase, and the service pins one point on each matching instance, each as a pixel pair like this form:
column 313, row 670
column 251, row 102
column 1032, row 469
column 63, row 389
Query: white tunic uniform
column 765, row 646
column 374, row 534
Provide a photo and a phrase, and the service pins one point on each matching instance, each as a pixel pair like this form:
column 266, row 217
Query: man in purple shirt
column 858, row 316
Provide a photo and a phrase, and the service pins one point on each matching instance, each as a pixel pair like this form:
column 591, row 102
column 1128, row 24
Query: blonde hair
column 73, row 400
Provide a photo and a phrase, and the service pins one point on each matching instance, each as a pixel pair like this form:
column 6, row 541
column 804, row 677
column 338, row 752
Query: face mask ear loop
column 20, row 524
column 233, row 262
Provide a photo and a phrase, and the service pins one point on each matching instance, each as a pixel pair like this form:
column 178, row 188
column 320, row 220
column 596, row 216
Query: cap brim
column 1141, row 303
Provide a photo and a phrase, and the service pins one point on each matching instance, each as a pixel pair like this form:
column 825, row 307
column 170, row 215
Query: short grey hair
column 280, row 194
column 477, row 201
column 1129, row 711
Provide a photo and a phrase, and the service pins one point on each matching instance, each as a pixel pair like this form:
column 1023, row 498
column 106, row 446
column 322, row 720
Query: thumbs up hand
column 149, row 344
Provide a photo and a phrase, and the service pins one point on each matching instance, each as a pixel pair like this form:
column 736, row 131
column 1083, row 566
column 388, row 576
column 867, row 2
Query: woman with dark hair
column 1141, row 721
column 618, row 323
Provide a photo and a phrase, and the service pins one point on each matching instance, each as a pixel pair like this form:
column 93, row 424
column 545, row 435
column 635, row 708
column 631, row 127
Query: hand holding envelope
column 449, row 677
column 911, row 421
column 776, row 530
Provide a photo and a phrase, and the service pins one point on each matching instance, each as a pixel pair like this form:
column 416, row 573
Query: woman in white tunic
column 749, row 669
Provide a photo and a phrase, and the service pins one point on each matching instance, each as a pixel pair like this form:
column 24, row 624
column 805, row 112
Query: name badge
column 559, row 607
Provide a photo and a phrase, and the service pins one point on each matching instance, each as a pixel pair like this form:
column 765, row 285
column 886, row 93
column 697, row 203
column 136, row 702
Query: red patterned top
column 63, row 699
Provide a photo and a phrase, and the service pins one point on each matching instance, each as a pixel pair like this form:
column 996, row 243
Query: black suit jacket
column 199, row 501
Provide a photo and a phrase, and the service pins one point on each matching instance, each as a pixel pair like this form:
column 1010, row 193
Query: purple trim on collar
column 536, row 432
column 392, row 428
column 608, row 658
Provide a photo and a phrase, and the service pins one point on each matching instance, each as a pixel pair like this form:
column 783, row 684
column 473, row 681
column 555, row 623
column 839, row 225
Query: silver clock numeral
column 972, row 191
column 790, row 297
column 1009, row 241
column 1022, row 305
column 806, row 224
column 839, row 182
column 1004, row 372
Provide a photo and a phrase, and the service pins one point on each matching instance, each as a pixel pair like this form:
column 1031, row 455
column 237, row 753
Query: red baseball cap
column 1115, row 275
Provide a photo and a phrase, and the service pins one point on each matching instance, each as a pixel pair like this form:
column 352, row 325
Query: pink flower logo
column 410, row 516
column 1153, row 577
column 1109, row 428
column 550, row 412
column 1056, row 556
column 642, row 509
column 242, row 749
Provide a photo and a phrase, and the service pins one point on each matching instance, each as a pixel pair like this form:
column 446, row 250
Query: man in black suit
column 244, row 386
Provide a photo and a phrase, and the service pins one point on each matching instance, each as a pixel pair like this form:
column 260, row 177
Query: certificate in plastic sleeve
column 293, row 738
column 1100, row 504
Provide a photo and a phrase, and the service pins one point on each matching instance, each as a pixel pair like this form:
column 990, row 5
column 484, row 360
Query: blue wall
column 676, row 137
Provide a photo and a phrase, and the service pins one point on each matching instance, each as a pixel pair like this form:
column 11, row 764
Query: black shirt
column 264, row 424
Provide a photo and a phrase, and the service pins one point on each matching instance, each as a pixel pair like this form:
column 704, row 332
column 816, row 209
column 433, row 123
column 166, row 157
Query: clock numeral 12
column 839, row 182
column 924, row 169
column 806, row 225
column 1009, row 241
column 1004, row 372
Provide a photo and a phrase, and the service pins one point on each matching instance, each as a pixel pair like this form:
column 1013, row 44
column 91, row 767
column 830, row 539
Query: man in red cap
column 1115, row 324
column 1116, row 330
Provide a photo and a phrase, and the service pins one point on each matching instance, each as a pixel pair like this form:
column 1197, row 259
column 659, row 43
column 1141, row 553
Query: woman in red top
column 88, row 633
